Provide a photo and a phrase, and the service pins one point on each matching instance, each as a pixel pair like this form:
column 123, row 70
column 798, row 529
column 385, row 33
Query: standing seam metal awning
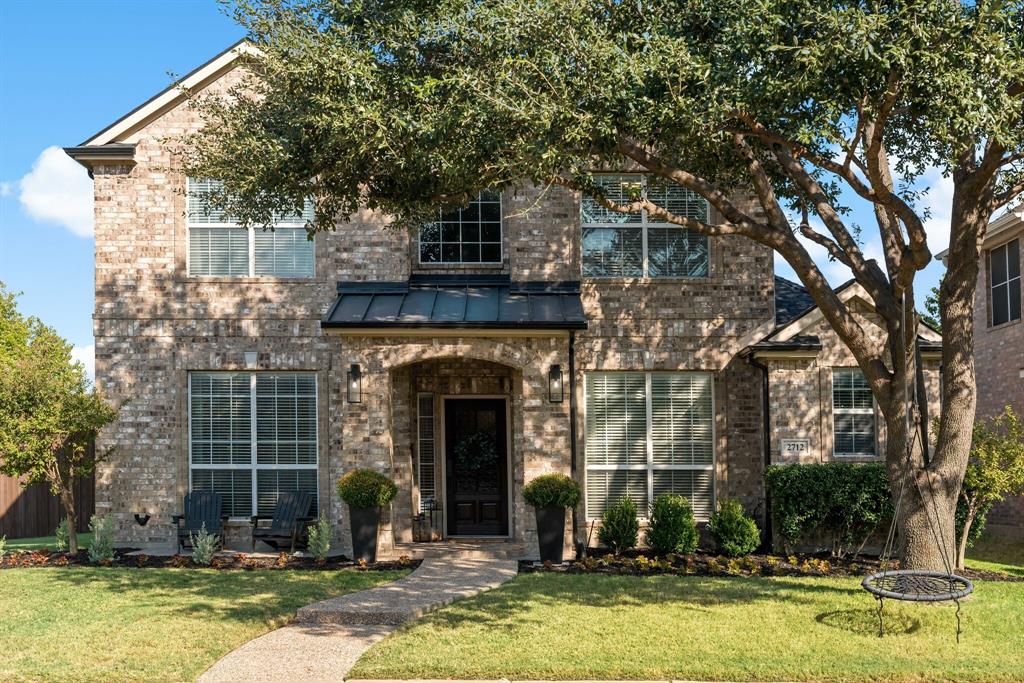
column 455, row 301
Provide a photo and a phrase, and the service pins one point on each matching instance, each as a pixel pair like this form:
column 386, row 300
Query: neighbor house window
column 853, row 413
column 1004, row 271
column 252, row 437
column 218, row 246
column 637, row 245
column 467, row 235
column 649, row 433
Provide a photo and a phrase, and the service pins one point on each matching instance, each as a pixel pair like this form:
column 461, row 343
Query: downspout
column 767, row 446
column 572, row 437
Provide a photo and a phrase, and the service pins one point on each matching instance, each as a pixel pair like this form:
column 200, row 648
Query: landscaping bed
column 224, row 561
column 636, row 563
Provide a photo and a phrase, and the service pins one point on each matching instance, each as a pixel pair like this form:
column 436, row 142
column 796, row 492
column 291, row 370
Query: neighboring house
column 999, row 340
column 531, row 332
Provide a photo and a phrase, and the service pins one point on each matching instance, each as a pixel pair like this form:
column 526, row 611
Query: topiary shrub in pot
column 366, row 492
column 672, row 528
column 735, row 534
column 619, row 526
column 551, row 495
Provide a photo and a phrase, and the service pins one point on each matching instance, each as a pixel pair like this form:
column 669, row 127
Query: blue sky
column 68, row 69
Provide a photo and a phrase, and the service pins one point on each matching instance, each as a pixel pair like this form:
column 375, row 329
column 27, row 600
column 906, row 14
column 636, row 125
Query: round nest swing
column 917, row 585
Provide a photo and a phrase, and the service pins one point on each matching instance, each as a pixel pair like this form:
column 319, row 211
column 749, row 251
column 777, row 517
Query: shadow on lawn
column 864, row 622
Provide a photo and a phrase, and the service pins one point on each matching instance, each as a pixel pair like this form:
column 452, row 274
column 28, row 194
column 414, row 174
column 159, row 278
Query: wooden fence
column 34, row 511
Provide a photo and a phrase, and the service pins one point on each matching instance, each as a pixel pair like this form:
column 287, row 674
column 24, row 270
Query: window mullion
column 650, row 439
column 252, row 437
column 643, row 228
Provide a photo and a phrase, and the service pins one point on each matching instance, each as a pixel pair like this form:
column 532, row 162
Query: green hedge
column 366, row 489
column 844, row 501
column 552, row 489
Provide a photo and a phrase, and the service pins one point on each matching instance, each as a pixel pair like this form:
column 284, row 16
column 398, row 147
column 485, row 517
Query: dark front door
column 476, row 467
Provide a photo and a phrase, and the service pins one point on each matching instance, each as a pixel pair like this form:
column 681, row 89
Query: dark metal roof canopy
column 457, row 302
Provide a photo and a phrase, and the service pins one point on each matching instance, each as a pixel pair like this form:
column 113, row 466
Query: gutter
column 766, row 441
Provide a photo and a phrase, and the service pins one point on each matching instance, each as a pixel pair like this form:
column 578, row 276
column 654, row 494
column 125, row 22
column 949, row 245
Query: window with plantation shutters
column 253, row 436
column 218, row 246
column 639, row 245
column 853, row 414
column 426, row 451
column 649, row 433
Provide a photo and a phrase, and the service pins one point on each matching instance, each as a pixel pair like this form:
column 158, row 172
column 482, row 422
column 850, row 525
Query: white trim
column 1008, row 281
column 872, row 411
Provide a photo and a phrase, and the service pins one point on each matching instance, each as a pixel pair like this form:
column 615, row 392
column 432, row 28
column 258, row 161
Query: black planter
column 364, row 523
column 551, row 533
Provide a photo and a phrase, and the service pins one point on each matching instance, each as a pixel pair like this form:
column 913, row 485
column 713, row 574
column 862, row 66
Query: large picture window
column 218, row 246
column 636, row 245
column 467, row 235
column 252, row 436
column 649, row 433
column 1004, row 272
column 853, row 414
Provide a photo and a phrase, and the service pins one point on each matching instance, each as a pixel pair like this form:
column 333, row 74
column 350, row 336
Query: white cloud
column 939, row 199
column 58, row 190
column 86, row 355
column 6, row 188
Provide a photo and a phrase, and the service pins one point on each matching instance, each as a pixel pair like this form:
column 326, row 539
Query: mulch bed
column 226, row 562
column 635, row 563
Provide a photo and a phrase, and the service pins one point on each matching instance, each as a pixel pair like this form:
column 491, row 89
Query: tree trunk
column 67, row 499
column 961, row 554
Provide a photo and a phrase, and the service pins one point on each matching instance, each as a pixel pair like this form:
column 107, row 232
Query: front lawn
column 563, row 626
column 997, row 555
column 41, row 542
column 96, row 624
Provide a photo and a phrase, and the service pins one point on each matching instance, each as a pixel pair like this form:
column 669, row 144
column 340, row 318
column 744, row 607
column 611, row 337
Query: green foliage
column 3, row 546
column 101, row 546
column 845, row 501
column 320, row 538
column 932, row 309
column 672, row 528
column 619, row 526
column 204, row 546
column 61, row 535
column 552, row 489
column 366, row 489
column 735, row 534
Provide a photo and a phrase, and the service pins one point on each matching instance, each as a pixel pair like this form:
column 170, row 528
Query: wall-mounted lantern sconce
column 250, row 359
column 355, row 382
column 556, row 387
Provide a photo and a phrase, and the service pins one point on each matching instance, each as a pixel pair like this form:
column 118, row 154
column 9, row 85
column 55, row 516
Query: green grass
column 998, row 555
column 550, row 626
column 95, row 624
column 40, row 542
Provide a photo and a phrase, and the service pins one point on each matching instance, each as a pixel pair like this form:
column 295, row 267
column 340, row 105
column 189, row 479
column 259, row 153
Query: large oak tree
column 402, row 106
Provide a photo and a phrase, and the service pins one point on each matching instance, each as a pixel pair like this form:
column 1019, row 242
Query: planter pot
column 551, row 533
column 364, row 523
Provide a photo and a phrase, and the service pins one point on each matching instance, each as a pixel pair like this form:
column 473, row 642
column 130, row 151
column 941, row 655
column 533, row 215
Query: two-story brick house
column 530, row 332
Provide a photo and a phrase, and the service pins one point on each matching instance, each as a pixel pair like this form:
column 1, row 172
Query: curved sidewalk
column 329, row 636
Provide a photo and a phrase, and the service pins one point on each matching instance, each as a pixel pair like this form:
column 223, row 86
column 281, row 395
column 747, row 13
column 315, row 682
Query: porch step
column 465, row 549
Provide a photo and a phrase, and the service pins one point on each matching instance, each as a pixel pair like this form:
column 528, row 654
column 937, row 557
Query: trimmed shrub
column 204, row 546
column 672, row 528
column 3, row 546
column 735, row 534
column 101, row 547
column 846, row 501
column 363, row 489
column 62, row 535
column 552, row 489
column 320, row 538
column 619, row 526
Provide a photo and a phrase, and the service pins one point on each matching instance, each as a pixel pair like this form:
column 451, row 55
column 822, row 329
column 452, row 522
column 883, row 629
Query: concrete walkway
column 329, row 636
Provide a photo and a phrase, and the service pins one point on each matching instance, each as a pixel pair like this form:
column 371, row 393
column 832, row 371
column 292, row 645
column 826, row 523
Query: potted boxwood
column 366, row 492
column 551, row 495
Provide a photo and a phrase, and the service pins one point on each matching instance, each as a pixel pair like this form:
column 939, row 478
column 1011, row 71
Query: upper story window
column 218, row 246
column 630, row 245
column 1004, row 272
column 467, row 235
column 853, row 413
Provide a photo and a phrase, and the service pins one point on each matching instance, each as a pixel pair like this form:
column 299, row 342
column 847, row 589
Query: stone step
column 467, row 550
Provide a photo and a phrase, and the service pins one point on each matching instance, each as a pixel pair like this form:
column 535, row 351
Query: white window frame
column 643, row 227
column 853, row 411
column 1010, row 282
column 250, row 240
column 482, row 264
column 419, row 446
column 650, row 466
column 254, row 466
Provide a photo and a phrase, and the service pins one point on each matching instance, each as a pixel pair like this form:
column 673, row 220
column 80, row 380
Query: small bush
column 672, row 528
column 101, row 546
column 619, row 526
column 735, row 534
column 62, row 535
column 204, row 546
column 3, row 546
column 366, row 489
column 320, row 538
column 552, row 489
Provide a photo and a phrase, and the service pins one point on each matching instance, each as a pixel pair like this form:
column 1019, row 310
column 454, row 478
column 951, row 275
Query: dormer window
column 466, row 235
